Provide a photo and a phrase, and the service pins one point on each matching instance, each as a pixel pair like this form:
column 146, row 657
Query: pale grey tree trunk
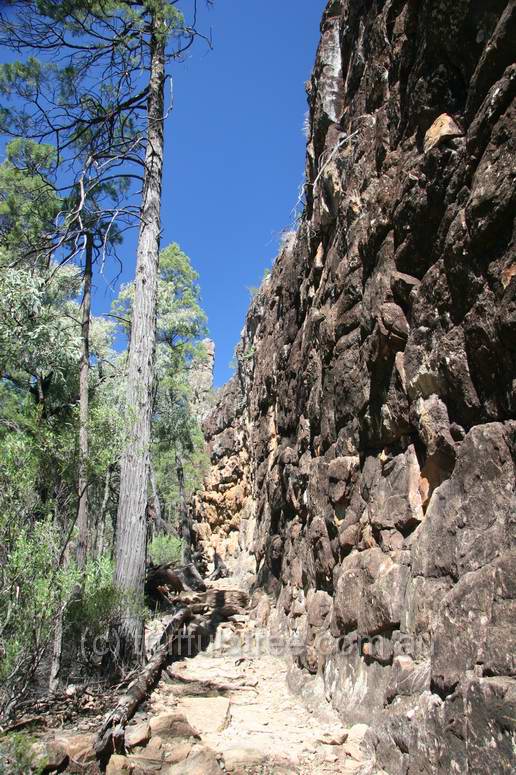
column 101, row 522
column 82, row 509
column 131, row 537
column 57, row 653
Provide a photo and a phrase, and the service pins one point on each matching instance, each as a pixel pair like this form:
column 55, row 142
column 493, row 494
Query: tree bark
column 82, row 508
column 134, row 471
column 186, row 523
column 101, row 522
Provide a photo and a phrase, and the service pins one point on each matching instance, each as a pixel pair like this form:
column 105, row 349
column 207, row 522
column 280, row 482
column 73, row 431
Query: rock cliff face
column 201, row 381
column 363, row 456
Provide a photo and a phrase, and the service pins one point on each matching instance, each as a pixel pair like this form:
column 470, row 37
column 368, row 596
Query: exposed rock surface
column 201, row 380
column 363, row 456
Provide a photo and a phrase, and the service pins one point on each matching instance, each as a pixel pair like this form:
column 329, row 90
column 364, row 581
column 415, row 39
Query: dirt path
column 237, row 699
column 225, row 710
column 251, row 721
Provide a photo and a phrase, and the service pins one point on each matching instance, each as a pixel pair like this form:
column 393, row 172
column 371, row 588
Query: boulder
column 171, row 725
column 200, row 761
column 240, row 760
column 137, row 735
column 50, row 756
column 80, row 748
column 178, row 752
column 119, row 764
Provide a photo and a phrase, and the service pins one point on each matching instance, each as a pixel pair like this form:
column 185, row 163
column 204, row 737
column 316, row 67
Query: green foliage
column 39, row 331
column 39, row 365
column 28, row 202
column 21, row 77
column 165, row 550
column 100, row 600
column 50, row 198
column 76, row 14
column 34, row 587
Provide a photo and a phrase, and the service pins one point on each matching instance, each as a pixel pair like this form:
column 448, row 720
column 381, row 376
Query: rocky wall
column 363, row 456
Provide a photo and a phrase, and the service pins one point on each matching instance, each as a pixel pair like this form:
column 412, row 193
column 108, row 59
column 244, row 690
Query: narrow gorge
column 312, row 569
column 361, row 483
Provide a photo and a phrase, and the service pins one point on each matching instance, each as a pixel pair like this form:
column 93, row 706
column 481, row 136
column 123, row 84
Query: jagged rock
column 365, row 452
column 80, row 748
column 150, row 759
column 408, row 678
column 443, row 128
column 393, row 326
column 355, row 745
column 490, row 705
column 402, row 286
column 239, row 760
column 468, row 517
column 180, row 752
column 394, row 492
column 334, row 738
column 201, row 380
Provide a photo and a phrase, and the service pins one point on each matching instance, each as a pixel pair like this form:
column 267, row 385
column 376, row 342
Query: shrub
column 165, row 550
column 34, row 589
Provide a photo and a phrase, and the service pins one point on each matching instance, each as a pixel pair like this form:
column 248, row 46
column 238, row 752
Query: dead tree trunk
column 134, row 472
column 111, row 735
column 186, row 522
column 57, row 653
column 82, row 507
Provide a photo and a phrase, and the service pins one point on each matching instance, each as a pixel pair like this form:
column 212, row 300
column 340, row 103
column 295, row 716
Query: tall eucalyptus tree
column 93, row 84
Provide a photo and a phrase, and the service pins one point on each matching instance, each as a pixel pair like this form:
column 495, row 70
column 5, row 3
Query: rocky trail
column 225, row 709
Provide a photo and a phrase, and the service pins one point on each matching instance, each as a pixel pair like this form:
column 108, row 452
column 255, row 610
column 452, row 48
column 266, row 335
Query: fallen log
column 111, row 736
column 221, row 598
column 164, row 582
column 191, row 577
column 22, row 723
column 222, row 603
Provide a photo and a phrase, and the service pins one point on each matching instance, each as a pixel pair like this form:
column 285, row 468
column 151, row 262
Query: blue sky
column 235, row 153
